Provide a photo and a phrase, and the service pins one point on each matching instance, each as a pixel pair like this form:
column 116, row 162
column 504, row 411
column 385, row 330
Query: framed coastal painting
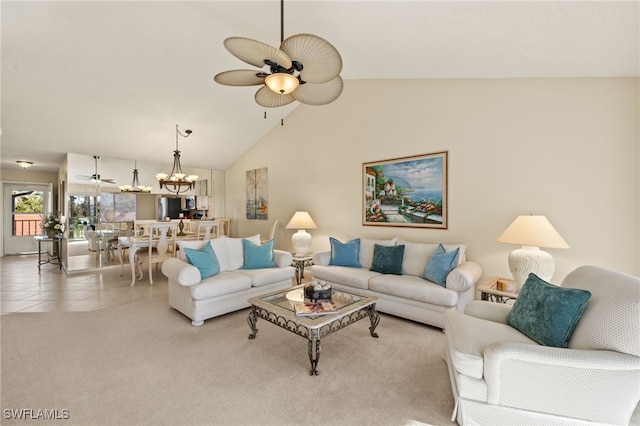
column 406, row 192
column 257, row 203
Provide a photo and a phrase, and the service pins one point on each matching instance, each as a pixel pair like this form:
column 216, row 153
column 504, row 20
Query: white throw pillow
column 191, row 244
column 235, row 253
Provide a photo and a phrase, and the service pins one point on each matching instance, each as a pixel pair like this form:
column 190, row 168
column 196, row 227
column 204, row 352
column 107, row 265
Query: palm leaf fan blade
column 268, row 99
column 239, row 78
column 319, row 94
column 255, row 52
column 321, row 61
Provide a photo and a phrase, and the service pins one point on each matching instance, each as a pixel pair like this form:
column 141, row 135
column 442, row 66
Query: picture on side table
column 409, row 191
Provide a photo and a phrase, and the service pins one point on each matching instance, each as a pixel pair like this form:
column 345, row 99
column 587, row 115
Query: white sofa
column 500, row 376
column 230, row 289
column 407, row 295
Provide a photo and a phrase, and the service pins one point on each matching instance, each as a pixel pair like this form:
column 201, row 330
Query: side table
column 300, row 262
column 53, row 259
column 489, row 290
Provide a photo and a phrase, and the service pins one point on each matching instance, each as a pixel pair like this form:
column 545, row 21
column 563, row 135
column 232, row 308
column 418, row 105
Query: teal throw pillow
column 257, row 256
column 547, row 313
column 440, row 264
column 387, row 259
column 204, row 259
column 344, row 254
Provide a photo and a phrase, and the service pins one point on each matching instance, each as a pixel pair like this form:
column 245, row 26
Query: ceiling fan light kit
column 306, row 68
column 177, row 181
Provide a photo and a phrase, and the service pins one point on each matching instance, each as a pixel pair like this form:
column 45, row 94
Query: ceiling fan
column 306, row 68
column 95, row 177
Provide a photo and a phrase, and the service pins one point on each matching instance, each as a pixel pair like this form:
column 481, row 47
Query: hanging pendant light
column 135, row 183
column 177, row 181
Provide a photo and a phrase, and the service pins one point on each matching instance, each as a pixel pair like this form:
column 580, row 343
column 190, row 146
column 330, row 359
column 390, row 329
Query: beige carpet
column 143, row 363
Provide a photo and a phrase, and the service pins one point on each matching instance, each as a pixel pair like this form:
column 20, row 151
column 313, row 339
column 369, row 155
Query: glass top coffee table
column 279, row 310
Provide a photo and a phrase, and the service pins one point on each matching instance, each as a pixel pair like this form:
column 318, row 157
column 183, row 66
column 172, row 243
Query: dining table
column 135, row 243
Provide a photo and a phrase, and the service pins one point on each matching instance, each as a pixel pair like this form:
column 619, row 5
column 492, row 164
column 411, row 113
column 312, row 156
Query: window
column 27, row 208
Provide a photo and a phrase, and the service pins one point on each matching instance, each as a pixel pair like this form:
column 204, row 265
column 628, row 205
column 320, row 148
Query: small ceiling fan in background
column 96, row 178
column 306, row 68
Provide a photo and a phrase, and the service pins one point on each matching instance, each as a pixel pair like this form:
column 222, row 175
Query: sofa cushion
column 344, row 254
column 387, row 260
column 468, row 336
column 234, row 250
column 547, row 313
column 347, row 276
column 262, row 277
column 204, row 259
column 439, row 265
column 221, row 284
column 413, row 288
column 257, row 256
column 367, row 246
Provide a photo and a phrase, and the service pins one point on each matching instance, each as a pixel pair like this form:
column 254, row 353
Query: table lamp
column 532, row 232
column 301, row 240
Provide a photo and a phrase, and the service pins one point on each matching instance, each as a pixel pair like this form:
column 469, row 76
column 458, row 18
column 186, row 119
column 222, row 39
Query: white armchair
column 500, row 376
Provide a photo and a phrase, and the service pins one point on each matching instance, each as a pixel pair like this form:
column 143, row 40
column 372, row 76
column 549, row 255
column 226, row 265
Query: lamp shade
column 301, row 220
column 533, row 231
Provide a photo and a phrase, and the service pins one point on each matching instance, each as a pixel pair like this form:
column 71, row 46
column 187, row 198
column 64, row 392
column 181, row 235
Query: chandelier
column 177, row 181
column 135, row 183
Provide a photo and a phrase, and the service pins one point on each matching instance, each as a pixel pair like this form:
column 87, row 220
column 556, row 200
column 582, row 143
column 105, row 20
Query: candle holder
column 181, row 227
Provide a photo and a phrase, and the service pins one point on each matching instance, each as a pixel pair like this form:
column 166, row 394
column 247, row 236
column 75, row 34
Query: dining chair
column 162, row 246
column 225, row 225
column 272, row 235
column 208, row 229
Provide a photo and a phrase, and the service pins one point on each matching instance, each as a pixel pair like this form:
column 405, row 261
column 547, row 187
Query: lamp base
column 301, row 241
column 526, row 260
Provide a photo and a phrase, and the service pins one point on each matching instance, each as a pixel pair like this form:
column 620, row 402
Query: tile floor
column 23, row 289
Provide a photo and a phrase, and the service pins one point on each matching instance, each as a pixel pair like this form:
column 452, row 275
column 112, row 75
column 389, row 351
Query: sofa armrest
column 542, row 378
column 321, row 257
column 464, row 276
column 282, row 258
column 181, row 272
column 483, row 309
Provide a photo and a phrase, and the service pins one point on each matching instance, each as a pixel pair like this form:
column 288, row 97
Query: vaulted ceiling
column 113, row 78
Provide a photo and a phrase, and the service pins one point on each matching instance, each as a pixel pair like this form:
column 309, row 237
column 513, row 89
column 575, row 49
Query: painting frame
column 406, row 191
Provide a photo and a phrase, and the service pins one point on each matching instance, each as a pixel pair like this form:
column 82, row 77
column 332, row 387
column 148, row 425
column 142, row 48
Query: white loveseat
column 500, row 376
column 228, row 290
column 407, row 295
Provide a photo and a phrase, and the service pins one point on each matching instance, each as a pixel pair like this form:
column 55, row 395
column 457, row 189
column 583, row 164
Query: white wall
column 564, row 148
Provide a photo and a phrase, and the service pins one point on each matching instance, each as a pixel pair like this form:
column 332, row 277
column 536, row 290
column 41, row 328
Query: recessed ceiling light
column 24, row 164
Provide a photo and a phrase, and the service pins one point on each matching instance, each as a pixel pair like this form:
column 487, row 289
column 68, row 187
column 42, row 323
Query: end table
column 489, row 290
column 300, row 262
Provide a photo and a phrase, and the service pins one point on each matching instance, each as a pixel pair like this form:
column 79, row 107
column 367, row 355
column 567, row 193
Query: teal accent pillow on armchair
column 547, row 313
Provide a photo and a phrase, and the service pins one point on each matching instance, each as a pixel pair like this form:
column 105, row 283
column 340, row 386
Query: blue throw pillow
column 440, row 264
column 257, row 256
column 387, row 259
column 345, row 254
column 547, row 313
column 204, row 259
